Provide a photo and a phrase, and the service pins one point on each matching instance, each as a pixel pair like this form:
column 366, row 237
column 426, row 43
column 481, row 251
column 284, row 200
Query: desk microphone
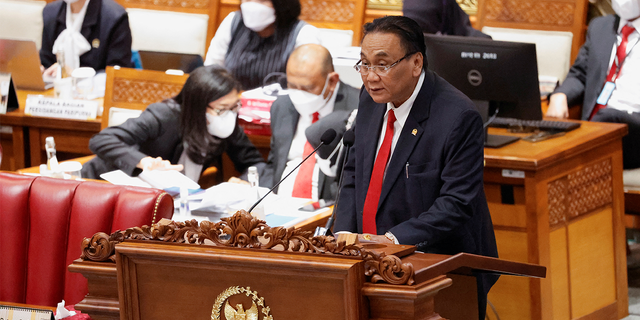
column 327, row 137
column 348, row 139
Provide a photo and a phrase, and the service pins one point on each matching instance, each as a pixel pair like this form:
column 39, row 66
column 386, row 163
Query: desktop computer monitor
column 498, row 76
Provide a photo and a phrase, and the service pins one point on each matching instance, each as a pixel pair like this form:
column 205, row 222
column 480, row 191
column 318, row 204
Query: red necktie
column 377, row 175
column 302, row 186
column 621, row 54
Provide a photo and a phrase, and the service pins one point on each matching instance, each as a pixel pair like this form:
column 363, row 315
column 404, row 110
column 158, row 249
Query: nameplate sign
column 60, row 108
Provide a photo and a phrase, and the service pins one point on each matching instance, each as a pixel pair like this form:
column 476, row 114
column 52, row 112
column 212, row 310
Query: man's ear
column 334, row 78
column 417, row 61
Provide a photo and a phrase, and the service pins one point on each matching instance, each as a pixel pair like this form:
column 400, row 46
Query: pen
column 406, row 170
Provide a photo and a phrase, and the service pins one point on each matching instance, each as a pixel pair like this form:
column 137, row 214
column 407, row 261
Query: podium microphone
column 327, row 137
column 348, row 139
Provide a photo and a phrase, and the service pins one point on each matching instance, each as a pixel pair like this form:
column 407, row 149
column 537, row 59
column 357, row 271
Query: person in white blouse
column 258, row 39
column 89, row 33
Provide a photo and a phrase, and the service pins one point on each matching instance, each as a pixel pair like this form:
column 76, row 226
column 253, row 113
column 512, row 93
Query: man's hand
column 364, row 238
column 149, row 163
column 51, row 71
column 558, row 107
column 238, row 181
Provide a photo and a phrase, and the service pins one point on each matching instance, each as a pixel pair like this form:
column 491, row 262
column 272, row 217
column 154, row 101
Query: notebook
column 22, row 60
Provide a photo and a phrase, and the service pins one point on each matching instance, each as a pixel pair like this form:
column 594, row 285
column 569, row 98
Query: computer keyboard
column 531, row 125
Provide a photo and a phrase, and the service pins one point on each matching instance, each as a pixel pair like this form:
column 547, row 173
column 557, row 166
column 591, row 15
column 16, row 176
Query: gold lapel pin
column 414, row 132
column 95, row 43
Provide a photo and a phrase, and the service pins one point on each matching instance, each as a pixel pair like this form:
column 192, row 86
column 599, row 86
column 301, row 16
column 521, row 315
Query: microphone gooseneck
column 348, row 139
column 327, row 137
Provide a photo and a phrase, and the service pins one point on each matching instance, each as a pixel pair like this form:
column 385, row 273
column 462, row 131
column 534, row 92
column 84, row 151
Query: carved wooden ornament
column 244, row 231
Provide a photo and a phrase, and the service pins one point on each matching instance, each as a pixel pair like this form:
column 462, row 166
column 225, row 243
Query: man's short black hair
column 409, row 32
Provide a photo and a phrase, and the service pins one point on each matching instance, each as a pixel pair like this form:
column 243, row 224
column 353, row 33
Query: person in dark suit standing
column 605, row 77
column 441, row 17
column 96, row 31
column 315, row 91
column 415, row 173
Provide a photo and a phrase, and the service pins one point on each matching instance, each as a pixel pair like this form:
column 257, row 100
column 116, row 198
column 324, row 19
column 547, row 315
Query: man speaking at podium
column 414, row 174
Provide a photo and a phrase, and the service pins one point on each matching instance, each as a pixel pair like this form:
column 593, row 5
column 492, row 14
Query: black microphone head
column 349, row 138
column 328, row 136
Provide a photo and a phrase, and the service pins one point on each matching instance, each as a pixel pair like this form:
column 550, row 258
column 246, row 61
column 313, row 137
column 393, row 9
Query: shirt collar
column 635, row 23
column 402, row 112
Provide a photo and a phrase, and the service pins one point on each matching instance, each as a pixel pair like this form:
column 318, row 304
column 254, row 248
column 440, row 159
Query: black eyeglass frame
column 220, row 112
column 360, row 67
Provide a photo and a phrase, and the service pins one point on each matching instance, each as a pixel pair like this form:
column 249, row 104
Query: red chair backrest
column 43, row 222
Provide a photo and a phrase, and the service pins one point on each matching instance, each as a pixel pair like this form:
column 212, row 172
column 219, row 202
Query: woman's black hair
column 204, row 85
column 287, row 12
column 409, row 32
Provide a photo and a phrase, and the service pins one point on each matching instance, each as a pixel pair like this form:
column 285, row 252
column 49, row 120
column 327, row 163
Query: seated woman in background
column 258, row 39
column 96, row 31
column 188, row 132
column 444, row 17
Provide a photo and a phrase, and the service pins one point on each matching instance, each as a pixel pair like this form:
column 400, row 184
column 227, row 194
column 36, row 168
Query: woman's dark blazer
column 156, row 133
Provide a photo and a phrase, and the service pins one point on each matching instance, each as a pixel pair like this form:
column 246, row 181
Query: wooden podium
column 240, row 267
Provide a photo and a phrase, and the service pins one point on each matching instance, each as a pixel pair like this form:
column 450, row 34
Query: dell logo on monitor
column 474, row 77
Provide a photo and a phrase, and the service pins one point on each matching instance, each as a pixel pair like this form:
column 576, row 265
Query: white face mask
column 307, row 103
column 70, row 1
column 221, row 126
column 257, row 16
column 626, row 9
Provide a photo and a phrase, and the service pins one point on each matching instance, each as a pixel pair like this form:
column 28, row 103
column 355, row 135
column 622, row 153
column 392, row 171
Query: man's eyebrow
column 377, row 54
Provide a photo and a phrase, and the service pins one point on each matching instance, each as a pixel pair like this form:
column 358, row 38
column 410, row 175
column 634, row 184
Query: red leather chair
column 43, row 222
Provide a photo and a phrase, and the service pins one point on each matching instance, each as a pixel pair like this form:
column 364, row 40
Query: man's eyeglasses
column 233, row 108
column 377, row 69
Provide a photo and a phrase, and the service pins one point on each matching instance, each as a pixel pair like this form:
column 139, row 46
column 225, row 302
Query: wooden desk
column 26, row 143
column 562, row 207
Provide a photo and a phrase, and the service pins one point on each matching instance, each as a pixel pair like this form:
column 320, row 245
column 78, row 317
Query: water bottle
column 52, row 161
column 184, row 202
column 254, row 181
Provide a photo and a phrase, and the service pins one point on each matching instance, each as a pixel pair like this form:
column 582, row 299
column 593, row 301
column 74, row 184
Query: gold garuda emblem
column 238, row 312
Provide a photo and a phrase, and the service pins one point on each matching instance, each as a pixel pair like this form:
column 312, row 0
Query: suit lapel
column 341, row 99
column 603, row 48
column 289, row 124
column 411, row 132
column 370, row 135
column 90, row 18
column 62, row 16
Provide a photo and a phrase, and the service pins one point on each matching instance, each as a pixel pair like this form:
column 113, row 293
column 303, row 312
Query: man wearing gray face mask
column 314, row 91
column 605, row 77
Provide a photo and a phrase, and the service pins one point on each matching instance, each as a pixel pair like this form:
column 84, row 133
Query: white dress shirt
column 297, row 148
column 401, row 113
column 625, row 97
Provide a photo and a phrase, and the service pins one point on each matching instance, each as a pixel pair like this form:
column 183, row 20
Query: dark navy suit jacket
column 432, row 195
column 105, row 26
column 589, row 72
